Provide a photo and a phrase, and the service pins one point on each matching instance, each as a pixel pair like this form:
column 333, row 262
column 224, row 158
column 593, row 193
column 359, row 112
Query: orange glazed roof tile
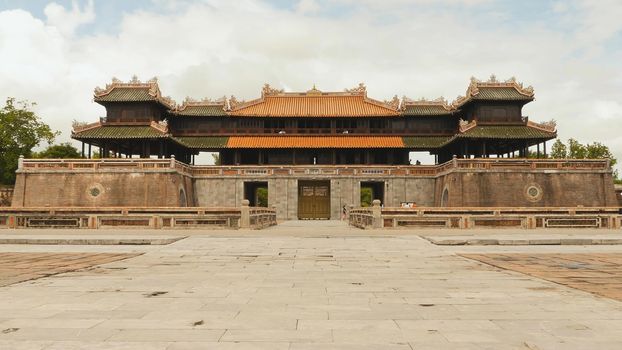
column 315, row 142
column 314, row 103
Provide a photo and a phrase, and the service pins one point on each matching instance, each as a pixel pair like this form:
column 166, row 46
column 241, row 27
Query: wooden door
column 314, row 199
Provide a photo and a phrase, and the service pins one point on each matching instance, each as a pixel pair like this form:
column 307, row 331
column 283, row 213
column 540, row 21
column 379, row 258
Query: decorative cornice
column 83, row 126
column 466, row 126
column 550, row 126
column 161, row 126
column 440, row 101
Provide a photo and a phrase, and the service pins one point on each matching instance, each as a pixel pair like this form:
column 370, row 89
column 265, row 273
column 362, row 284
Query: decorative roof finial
column 268, row 90
column 359, row 89
column 314, row 91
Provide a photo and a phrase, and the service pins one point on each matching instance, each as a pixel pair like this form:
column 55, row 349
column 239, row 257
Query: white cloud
column 218, row 47
column 307, row 6
column 67, row 21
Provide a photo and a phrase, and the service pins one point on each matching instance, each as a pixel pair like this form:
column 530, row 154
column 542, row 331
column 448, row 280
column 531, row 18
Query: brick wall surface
column 472, row 188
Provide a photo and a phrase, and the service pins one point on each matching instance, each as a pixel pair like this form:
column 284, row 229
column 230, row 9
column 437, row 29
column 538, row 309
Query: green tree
column 262, row 197
column 216, row 157
column 64, row 150
column 366, row 196
column 576, row 150
column 559, row 150
column 20, row 131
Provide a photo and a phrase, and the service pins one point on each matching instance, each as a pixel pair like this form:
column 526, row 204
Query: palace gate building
column 314, row 151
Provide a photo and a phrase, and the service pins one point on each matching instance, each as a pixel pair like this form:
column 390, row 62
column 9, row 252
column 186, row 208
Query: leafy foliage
column 216, row 157
column 262, row 197
column 64, row 150
column 576, row 150
column 20, row 131
column 366, row 196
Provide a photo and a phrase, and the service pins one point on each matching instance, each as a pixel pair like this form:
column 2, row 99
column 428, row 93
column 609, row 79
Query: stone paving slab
column 19, row 267
column 304, row 287
column 600, row 274
column 86, row 239
column 527, row 239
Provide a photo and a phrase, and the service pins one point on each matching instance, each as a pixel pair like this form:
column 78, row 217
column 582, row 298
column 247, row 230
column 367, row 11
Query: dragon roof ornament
column 360, row 89
column 234, row 103
column 268, row 90
column 394, row 102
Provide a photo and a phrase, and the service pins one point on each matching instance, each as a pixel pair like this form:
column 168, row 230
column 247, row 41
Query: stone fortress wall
column 458, row 183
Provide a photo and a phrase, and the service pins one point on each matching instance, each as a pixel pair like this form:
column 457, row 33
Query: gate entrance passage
column 313, row 200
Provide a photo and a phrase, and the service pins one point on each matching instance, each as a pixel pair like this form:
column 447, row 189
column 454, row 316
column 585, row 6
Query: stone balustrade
column 153, row 218
column 467, row 218
column 456, row 164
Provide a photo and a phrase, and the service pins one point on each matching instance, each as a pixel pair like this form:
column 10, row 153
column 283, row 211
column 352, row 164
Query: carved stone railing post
column 172, row 161
column 376, row 213
column 245, row 214
column 20, row 162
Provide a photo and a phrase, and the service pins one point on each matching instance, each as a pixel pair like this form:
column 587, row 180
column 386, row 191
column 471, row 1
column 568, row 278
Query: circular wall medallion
column 95, row 190
column 533, row 192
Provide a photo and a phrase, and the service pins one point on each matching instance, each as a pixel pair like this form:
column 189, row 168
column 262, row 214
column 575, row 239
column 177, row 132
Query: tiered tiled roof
column 493, row 89
column 425, row 142
column 314, row 103
column 120, row 132
column 506, row 132
column 132, row 91
column 203, row 108
column 425, row 107
column 202, row 142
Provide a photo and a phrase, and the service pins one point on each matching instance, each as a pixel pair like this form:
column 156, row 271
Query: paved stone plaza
column 307, row 285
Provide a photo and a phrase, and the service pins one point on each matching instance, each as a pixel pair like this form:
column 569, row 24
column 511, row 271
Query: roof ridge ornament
column 393, row 103
column 268, row 90
column 360, row 89
column 314, row 91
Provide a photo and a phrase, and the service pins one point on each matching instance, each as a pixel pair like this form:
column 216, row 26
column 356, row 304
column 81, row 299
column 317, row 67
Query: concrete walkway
column 303, row 285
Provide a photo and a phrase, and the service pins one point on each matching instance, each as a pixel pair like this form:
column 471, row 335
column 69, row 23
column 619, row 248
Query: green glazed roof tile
column 425, row 110
column 507, row 132
column 500, row 93
column 203, row 141
column 202, row 111
column 127, row 94
column 425, row 141
column 120, row 132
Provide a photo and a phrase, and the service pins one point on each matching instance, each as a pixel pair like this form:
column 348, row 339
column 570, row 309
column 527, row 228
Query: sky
column 55, row 53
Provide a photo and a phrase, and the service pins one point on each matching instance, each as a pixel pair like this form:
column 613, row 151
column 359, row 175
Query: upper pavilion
column 314, row 127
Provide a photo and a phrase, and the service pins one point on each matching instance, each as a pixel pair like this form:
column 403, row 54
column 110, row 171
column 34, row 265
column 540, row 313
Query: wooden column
column 544, row 146
column 89, row 151
column 83, row 156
